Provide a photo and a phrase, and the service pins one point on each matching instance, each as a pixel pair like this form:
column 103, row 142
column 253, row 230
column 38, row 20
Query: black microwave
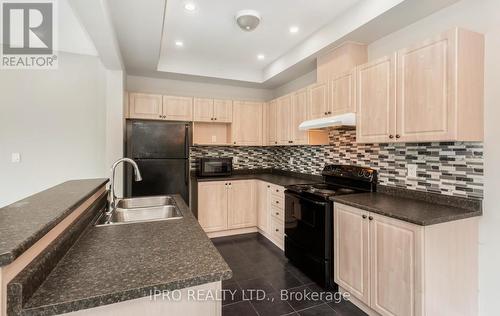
column 210, row 167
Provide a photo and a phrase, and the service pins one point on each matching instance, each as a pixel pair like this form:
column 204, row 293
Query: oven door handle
column 297, row 196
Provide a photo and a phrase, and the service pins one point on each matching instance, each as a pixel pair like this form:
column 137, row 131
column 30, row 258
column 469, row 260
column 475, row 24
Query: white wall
column 482, row 16
column 56, row 120
column 196, row 89
column 294, row 85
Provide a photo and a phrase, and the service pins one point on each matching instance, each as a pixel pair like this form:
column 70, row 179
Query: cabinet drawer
column 278, row 212
column 277, row 190
column 277, row 201
column 277, row 229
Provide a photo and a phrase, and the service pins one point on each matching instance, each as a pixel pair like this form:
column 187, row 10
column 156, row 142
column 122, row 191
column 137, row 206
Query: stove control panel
column 353, row 172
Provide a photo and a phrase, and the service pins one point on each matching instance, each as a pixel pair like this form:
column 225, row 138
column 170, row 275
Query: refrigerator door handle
column 187, row 143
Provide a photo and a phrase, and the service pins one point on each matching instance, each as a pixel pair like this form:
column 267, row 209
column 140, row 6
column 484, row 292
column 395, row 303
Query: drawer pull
column 364, row 216
column 277, row 190
column 277, row 213
column 277, row 202
column 370, row 218
column 277, row 230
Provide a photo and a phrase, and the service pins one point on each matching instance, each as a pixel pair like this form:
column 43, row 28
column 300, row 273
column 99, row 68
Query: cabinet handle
column 215, row 119
column 164, row 116
column 234, row 143
column 329, row 112
column 277, row 202
column 277, row 190
column 268, row 186
column 370, row 217
column 364, row 216
column 391, row 136
column 398, row 136
column 275, row 142
column 277, row 230
column 160, row 116
column 326, row 113
column 277, row 213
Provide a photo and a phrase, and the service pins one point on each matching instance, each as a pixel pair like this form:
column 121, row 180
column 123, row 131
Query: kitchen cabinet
column 342, row 93
column 242, row 204
column 263, row 189
column 210, row 110
column 213, row 206
column 272, row 123
column 177, row 108
column 223, row 111
column 145, row 106
column 437, row 88
column 247, row 127
column 340, row 60
column 284, row 115
column 299, row 115
column 225, row 205
column 396, row 268
column 318, row 100
column 375, row 101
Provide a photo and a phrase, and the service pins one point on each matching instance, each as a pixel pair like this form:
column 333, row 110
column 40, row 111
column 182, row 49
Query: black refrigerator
column 161, row 150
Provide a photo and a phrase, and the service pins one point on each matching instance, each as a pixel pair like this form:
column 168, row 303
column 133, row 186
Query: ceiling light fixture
column 248, row 20
column 261, row 57
column 294, row 29
column 190, row 6
column 179, row 43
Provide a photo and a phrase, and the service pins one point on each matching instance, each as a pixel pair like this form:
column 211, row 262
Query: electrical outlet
column 214, row 139
column 16, row 157
column 290, row 161
column 235, row 159
column 411, row 171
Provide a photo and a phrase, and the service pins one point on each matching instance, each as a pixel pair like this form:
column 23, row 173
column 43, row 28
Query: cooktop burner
column 319, row 189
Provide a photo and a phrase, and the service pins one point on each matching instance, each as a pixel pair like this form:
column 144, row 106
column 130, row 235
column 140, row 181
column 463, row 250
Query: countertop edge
column 10, row 256
column 434, row 221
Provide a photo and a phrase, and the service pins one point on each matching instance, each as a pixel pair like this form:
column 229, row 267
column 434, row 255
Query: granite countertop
column 282, row 178
column 23, row 223
column 410, row 210
column 116, row 263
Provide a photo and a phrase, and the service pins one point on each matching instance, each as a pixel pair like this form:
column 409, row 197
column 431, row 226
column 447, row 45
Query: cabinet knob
column 364, row 216
column 268, row 186
column 277, row 202
column 275, row 142
column 215, row 119
column 329, row 112
column 160, row 116
column 234, row 143
column 398, row 136
column 277, row 230
column 277, row 190
column 277, row 213
column 326, row 113
column 370, row 217
column 391, row 136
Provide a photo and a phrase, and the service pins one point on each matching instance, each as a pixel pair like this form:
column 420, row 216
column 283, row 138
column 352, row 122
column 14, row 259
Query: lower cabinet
column 398, row 268
column 229, row 206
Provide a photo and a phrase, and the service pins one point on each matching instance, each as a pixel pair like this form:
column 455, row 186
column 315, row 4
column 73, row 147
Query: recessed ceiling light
column 294, row 29
column 261, row 56
column 179, row 43
column 190, row 6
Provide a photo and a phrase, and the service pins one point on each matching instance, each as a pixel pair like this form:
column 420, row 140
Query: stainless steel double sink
column 141, row 209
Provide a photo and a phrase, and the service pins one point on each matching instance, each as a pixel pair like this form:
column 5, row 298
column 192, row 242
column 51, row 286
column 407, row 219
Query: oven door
column 308, row 224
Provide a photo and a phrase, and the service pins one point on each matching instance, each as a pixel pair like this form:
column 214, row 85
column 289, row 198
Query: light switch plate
column 16, row 157
column 411, row 170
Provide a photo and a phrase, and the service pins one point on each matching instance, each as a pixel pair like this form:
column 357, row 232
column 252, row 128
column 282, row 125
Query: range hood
column 347, row 120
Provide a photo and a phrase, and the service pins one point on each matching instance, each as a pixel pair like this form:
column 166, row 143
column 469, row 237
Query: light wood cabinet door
column 247, row 124
column 262, row 206
column 178, row 108
column 212, row 205
column 203, row 110
column 342, row 92
column 272, row 122
column 299, row 115
column 318, row 100
column 242, row 204
column 375, row 101
column 426, row 108
column 223, row 111
column 145, row 106
column 284, row 116
column 395, row 266
column 351, row 251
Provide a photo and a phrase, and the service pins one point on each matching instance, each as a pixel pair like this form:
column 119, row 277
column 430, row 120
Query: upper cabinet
column 342, row 92
column 284, row 116
column 318, row 100
column 375, row 101
column 299, row 115
column 210, row 110
column 145, row 106
column 438, row 92
column 341, row 59
column 178, row 108
column 271, row 122
column 247, row 124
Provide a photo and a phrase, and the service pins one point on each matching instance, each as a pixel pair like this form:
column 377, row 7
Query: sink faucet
column 111, row 194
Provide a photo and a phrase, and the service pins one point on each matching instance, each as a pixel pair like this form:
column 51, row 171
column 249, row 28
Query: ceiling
column 214, row 45
column 215, row 50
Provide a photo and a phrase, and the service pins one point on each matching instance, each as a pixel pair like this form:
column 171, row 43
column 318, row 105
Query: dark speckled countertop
column 281, row 178
column 23, row 223
column 115, row 263
column 411, row 210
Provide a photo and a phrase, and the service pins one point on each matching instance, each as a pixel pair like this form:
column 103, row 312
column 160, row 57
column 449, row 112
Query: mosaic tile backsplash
column 451, row 168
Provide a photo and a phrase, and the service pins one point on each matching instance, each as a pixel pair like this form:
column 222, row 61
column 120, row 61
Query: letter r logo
column 27, row 28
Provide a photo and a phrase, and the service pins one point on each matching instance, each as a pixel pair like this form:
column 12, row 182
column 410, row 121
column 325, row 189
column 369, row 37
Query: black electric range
column 309, row 218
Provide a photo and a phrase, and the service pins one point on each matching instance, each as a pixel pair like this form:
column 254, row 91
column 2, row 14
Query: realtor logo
column 28, row 35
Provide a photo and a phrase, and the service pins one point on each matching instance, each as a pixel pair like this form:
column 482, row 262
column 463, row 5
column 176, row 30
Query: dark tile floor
column 258, row 264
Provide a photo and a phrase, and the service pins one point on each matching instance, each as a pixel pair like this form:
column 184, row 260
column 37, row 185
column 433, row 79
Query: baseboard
column 280, row 245
column 231, row 232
